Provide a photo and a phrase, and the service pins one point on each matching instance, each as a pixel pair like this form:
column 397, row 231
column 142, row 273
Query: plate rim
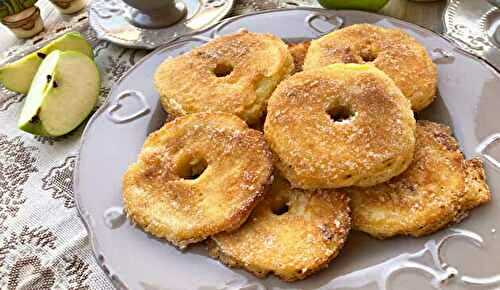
column 87, row 219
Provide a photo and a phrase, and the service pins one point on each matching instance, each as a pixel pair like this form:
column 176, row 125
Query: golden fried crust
column 196, row 81
column 160, row 198
column 391, row 50
column 476, row 189
column 314, row 151
column 433, row 192
column 299, row 51
column 291, row 245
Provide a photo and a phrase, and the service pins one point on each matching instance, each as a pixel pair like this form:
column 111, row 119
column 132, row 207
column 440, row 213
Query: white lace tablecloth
column 43, row 243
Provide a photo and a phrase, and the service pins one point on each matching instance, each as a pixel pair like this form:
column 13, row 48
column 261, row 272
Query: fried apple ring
column 292, row 233
column 340, row 125
column 438, row 188
column 298, row 52
column 198, row 175
column 235, row 73
column 393, row 51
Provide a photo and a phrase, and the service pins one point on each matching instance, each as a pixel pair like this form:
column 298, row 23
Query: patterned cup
column 26, row 23
column 156, row 13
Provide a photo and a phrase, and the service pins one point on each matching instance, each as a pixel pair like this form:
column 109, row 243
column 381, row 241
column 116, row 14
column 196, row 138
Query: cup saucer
column 112, row 21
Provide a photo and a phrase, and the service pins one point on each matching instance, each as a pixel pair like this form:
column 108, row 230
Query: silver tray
column 464, row 257
column 474, row 25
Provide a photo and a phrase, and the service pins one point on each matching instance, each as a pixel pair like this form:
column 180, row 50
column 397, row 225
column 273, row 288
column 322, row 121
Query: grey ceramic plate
column 466, row 257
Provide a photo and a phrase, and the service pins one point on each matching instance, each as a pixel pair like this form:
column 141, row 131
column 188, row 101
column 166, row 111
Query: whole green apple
column 368, row 5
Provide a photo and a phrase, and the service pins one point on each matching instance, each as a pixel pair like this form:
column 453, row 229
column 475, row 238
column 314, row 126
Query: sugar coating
column 255, row 64
column 438, row 188
column 393, row 51
column 292, row 245
column 183, row 211
column 313, row 151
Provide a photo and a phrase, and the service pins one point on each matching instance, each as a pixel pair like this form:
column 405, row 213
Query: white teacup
column 156, row 13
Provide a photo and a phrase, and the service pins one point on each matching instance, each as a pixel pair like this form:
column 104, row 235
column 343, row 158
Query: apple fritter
column 340, row 125
column 393, row 51
column 197, row 176
column 438, row 188
column 292, row 233
column 233, row 73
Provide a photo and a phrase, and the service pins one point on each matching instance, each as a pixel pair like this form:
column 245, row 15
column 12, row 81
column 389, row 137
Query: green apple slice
column 17, row 76
column 63, row 93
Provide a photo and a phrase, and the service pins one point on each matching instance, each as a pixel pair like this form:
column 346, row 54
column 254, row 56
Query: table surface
column 425, row 14
column 43, row 243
